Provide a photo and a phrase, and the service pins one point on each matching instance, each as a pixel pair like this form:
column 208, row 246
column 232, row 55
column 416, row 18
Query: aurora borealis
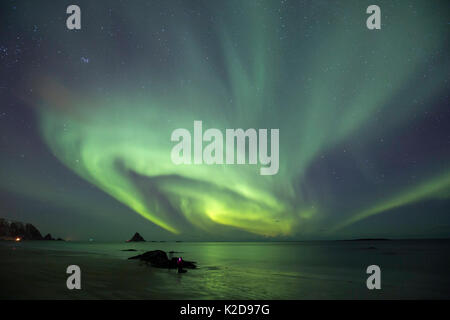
column 86, row 117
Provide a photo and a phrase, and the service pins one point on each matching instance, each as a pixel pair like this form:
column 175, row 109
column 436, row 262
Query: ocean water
column 410, row 269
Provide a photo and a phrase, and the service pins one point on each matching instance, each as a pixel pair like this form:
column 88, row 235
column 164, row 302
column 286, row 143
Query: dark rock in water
column 136, row 238
column 48, row 237
column 9, row 230
column 59, row 239
column 129, row 250
column 186, row 264
column 158, row 259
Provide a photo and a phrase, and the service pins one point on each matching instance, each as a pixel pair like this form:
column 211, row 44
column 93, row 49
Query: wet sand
column 32, row 274
column 411, row 269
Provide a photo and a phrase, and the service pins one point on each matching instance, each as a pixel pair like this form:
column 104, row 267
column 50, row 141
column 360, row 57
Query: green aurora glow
column 322, row 81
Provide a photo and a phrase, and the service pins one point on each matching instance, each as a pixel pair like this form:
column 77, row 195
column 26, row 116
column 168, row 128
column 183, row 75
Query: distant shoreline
column 28, row 232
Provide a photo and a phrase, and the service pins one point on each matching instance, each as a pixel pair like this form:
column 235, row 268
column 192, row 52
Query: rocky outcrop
column 13, row 229
column 136, row 238
column 158, row 259
column 48, row 237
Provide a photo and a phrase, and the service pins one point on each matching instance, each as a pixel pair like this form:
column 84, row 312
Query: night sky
column 364, row 117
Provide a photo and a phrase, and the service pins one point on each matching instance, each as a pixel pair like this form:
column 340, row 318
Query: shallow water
column 411, row 269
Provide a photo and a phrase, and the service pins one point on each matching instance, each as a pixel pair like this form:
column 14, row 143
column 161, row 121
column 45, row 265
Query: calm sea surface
column 411, row 269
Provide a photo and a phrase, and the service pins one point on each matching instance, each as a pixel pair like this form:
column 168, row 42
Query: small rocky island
column 136, row 238
column 49, row 237
column 158, row 259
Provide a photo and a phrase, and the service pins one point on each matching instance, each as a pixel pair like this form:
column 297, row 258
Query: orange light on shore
column 18, row 239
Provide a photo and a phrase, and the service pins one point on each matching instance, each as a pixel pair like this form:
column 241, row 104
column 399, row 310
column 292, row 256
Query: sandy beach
column 313, row 270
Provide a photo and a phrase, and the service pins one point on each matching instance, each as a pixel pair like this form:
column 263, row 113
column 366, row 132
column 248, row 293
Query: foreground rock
column 158, row 259
column 136, row 238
